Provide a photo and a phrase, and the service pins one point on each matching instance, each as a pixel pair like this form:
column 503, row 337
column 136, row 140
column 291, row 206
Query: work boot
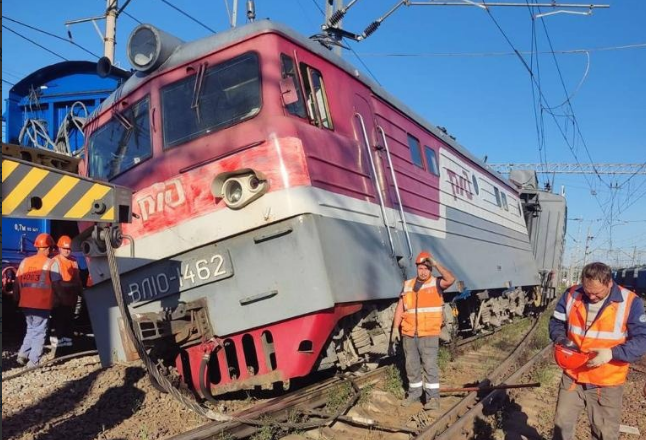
column 431, row 404
column 22, row 360
column 65, row 342
column 409, row 401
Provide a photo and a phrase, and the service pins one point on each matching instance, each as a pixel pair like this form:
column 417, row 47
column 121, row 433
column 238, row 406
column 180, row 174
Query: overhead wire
column 4, row 17
column 7, row 82
column 33, row 42
column 544, row 99
column 502, row 54
column 189, row 16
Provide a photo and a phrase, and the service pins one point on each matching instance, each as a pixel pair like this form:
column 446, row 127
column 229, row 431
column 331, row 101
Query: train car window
column 211, row 100
column 476, row 187
column 497, row 194
column 289, row 71
column 415, row 151
column 504, row 201
column 316, row 96
column 122, row 143
column 431, row 160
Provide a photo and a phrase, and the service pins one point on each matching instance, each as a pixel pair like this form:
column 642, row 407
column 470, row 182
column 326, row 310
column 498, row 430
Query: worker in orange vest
column 419, row 313
column 33, row 291
column 607, row 323
column 66, row 280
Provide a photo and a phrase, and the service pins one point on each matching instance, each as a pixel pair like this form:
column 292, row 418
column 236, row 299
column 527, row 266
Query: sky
column 585, row 100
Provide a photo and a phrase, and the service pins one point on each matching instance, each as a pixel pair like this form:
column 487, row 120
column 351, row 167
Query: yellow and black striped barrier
column 36, row 191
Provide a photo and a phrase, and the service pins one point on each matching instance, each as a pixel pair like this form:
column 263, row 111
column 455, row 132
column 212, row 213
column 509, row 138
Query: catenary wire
column 189, row 16
column 34, row 43
column 4, row 17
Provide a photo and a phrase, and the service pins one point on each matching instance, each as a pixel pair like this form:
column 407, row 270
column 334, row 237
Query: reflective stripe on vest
column 422, row 310
column 606, row 331
column 35, row 291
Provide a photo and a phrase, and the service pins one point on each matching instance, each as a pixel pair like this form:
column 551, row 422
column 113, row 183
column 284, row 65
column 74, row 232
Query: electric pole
column 109, row 41
column 588, row 239
column 331, row 6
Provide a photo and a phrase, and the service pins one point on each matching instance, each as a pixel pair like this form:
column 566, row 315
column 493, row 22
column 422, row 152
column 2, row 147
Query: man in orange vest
column 419, row 313
column 33, row 291
column 66, row 279
column 607, row 322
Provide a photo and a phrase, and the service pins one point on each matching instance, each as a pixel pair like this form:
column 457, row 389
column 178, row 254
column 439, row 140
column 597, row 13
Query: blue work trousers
column 32, row 345
column 422, row 360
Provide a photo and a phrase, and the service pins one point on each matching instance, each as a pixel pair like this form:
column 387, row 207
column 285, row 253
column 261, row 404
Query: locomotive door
column 366, row 134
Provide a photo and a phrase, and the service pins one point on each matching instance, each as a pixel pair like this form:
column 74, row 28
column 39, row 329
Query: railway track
column 364, row 409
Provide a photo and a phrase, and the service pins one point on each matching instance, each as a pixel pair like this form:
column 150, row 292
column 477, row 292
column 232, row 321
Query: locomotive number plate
column 198, row 267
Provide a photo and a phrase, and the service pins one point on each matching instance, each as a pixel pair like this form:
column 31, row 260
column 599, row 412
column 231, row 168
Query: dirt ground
column 78, row 399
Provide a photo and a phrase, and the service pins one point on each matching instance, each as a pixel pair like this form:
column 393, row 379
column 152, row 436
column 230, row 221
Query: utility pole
column 575, row 252
column 634, row 256
column 109, row 41
column 588, row 239
column 331, row 6
column 109, row 37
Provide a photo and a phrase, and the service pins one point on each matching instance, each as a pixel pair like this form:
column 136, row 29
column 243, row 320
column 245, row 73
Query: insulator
column 336, row 17
column 372, row 27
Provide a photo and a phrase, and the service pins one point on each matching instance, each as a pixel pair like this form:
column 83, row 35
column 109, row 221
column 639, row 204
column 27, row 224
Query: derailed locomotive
column 280, row 197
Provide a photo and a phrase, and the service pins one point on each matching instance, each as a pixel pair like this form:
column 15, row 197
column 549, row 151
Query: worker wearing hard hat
column 598, row 328
column 66, row 280
column 419, row 312
column 33, row 291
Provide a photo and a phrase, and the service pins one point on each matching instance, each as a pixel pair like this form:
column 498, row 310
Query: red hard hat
column 64, row 242
column 423, row 257
column 568, row 358
column 44, row 240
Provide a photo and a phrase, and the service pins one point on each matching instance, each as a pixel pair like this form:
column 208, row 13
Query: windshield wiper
column 197, row 89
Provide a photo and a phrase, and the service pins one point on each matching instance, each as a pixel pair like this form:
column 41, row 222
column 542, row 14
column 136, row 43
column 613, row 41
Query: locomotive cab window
column 122, row 143
column 288, row 71
column 431, row 160
column 415, row 151
column 497, row 194
column 210, row 100
column 505, row 205
column 474, row 179
column 316, row 97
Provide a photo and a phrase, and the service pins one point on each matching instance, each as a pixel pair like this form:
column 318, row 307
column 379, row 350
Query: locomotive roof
column 187, row 52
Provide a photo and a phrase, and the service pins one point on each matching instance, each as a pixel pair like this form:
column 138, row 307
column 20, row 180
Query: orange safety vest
column 35, row 283
column 71, row 279
column 422, row 310
column 608, row 330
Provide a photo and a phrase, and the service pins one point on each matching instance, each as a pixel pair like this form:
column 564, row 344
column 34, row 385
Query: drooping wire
column 34, row 43
column 7, row 82
column 189, row 16
column 4, row 17
column 544, row 99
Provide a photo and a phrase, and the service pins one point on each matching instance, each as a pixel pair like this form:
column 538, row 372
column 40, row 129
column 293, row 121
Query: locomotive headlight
column 232, row 191
column 239, row 188
column 148, row 47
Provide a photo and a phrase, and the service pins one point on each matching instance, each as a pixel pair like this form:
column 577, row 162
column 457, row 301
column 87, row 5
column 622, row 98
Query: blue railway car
column 47, row 109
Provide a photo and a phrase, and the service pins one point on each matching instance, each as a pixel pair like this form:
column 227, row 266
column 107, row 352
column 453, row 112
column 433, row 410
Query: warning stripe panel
column 34, row 191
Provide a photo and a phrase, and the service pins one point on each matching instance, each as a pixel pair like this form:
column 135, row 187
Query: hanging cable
column 4, row 17
column 72, row 121
column 189, row 16
column 34, row 43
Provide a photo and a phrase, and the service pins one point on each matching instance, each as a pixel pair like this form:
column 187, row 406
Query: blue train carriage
column 46, row 110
